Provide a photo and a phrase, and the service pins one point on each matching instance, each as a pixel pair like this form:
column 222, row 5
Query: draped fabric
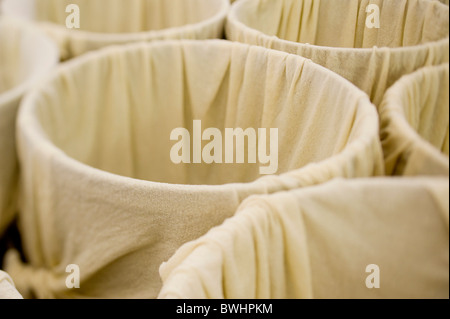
column 26, row 55
column 415, row 124
column 224, row 169
column 334, row 33
column 326, row 241
column 99, row 188
column 7, row 289
column 109, row 22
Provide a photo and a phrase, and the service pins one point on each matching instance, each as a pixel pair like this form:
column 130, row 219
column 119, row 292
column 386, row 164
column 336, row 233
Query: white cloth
column 415, row 123
column 7, row 289
column 108, row 22
column 412, row 34
column 317, row 243
column 25, row 56
column 112, row 112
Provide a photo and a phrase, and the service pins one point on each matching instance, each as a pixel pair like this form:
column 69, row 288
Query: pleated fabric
column 109, row 22
column 7, row 289
column 99, row 189
column 334, row 240
column 26, row 55
column 334, row 34
column 415, row 123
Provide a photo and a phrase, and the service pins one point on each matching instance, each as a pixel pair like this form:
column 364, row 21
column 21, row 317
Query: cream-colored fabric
column 7, row 289
column 95, row 149
column 317, row 243
column 333, row 33
column 25, row 56
column 415, row 123
column 108, row 22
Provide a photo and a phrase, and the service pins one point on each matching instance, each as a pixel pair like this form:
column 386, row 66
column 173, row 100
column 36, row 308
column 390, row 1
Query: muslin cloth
column 25, row 56
column 333, row 33
column 415, row 123
column 99, row 187
column 7, row 289
column 317, row 243
column 108, row 22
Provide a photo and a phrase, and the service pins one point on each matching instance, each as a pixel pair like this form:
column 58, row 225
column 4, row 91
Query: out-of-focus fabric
column 26, row 55
column 108, row 22
column 334, row 240
column 415, row 124
column 7, row 289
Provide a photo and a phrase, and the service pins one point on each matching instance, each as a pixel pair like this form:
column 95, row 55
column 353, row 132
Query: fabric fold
column 7, row 288
column 334, row 34
column 114, row 22
column 99, row 187
column 26, row 55
column 415, row 123
column 335, row 240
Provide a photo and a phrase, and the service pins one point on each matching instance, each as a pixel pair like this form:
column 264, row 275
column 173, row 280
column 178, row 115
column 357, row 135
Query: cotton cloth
column 108, row 22
column 7, row 289
column 25, row 56
column 333, row 33
column 415, row 124
column 99, row 188
column 317, row 243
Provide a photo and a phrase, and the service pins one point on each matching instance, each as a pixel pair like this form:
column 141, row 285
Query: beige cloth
column 25, row 56
column 7, row 289
column 333, row 33
column 99, row 188
column 107, row 22
column 317, row 243
column 415, row 123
